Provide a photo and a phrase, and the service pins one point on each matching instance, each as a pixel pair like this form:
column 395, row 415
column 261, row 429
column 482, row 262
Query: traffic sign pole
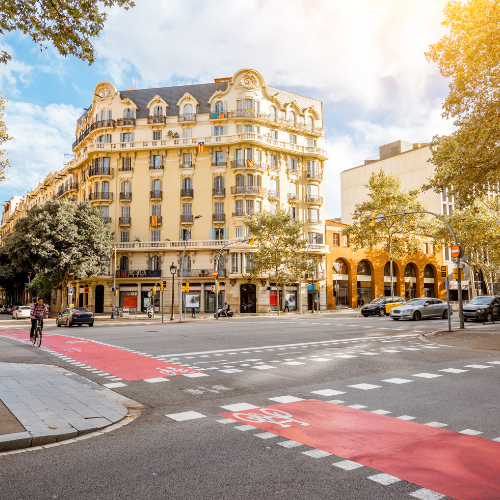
column 447, row 287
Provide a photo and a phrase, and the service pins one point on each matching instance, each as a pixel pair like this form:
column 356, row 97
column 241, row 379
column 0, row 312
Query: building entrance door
column 99, row 299
column 248, row 299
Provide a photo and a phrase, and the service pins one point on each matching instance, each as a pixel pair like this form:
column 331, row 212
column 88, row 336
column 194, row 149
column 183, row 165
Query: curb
column 24, row 442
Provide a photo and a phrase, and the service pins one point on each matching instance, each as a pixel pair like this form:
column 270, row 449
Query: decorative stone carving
column 249, row 81
column 263, row 282
column 232, row 282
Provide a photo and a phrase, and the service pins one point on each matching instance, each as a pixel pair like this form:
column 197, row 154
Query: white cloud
column 42, row 135
column 13, row 73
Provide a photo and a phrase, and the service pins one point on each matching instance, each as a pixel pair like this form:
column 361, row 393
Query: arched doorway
column 364, row 281
column 99, row 299
column 429, row 281
column 411, row 291
column 387, row 279
column 340, row 278
column 248, row 298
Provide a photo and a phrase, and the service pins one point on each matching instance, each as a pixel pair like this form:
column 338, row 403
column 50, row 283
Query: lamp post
column 182, row 269
column 173, row 270
column 114, row 287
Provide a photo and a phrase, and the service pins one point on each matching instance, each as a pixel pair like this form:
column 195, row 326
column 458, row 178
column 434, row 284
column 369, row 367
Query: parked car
column 75, row 316
column 425, row 307
column 377, row 306
column 21, row 312
column 6, row 309
column 484, row 307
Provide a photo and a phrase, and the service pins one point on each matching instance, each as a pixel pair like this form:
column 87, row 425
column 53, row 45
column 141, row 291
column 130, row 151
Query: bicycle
column 37, row 337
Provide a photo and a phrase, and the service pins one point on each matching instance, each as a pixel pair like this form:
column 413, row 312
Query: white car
column 21, row 312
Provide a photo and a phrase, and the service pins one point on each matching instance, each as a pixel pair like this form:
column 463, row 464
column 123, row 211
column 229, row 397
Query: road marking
column 436, row 424
column 384, row 479
column 470, row 432
column 263, row 435
column 240, row 407
column 327, row 392
column 186, row 415
column 406, row 417
column 347, row 465
column 365, row 387
column 426, row 375
column 316, row 453
column 453, row 370
column 425, row 494
column 480, row 367
column 286, row 399
column 155, row 380
column 397, row 380
column 381, row 412
column 114, row 385
column 290, row 444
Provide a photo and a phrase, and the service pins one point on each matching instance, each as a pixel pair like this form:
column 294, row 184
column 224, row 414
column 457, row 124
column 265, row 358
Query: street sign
column 215, row 274
column 456, row 251
column 379, row 218
column 71, row 291
column 336, row 286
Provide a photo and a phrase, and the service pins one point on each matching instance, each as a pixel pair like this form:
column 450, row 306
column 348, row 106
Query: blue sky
column 364, row 60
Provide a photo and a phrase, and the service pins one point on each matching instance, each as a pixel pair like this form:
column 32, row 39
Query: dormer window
column 272, row 113
column 293, row 118
column 128, row 113
column 188, row 112
column 158, row 111
column 310, row 122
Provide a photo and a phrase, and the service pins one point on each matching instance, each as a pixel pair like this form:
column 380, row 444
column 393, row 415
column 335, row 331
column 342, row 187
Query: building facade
column 175, row 169
column 366, row 273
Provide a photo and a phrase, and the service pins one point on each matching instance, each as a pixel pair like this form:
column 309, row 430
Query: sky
column 364, row 59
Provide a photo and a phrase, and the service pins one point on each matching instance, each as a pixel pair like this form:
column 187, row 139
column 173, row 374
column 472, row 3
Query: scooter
column 225, row 314
column 150, row 312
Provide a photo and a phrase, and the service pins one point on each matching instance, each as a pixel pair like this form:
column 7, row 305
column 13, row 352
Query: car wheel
column 395, row 319
column 80, row 324
column 58, row 324
column 91, row 324
column 445, row 314
column 382, row 312
column 365, row 315
column 489, row 317
column 69, row 324
column 417, row 316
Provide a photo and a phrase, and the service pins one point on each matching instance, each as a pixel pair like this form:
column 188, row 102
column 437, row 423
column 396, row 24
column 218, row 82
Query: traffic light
column 444, row 271
column 455, row 273
column 217, row 286
column 252, row 238
column 116, row 291
column 154, row 290
column 212, row 288
column 372, row 221
column 163, row 286
column 187, row 287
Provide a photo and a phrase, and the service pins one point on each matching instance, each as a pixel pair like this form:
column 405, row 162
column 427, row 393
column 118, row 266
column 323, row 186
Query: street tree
column 478, row 234
column 11, row 277
column 468, row 161
column 69, row 24
column 396, row 235
column 60, row 238
column 281, row 248
column 4, row 162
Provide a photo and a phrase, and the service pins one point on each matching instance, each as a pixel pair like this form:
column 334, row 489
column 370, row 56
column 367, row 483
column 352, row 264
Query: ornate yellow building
column 154, row 160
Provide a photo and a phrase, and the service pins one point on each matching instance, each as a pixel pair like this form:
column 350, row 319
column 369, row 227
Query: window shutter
column 226, row 233
column 224, row 104
column 257, row 129
column 239, row 129
column 121, row 136
column 180, row 235
column 224, row 130
column 110, row 114
column 213, row 130
column 320, row 239
column 132, row 137
column 212, row 234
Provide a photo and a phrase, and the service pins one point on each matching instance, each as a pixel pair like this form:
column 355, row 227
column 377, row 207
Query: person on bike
column 225, row 309
column 38, row 311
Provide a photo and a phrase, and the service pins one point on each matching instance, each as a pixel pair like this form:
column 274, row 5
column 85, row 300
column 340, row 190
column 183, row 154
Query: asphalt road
column 359, row 365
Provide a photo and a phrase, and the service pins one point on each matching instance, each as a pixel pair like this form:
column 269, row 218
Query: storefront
column 128, row 296
column 192, row 299
column 210, row 297
column 290, row 295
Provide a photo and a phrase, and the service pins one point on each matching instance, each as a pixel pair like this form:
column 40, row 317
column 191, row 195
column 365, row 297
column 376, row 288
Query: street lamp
column 173, row 270
column 182, row 269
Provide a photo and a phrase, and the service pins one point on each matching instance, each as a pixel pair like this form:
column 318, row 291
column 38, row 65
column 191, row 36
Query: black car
column 377, row 306
column 484, row 307
column 75, row 316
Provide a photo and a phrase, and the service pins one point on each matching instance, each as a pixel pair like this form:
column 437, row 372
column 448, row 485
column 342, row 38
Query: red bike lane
column 461, row 466
column 113, row 360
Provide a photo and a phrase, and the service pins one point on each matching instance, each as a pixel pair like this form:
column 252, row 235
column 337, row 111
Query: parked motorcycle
column 225, row 314
column 150, row 312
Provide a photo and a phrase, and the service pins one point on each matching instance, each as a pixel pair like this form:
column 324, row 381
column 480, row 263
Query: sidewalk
column 485, row 337
column 42, row 404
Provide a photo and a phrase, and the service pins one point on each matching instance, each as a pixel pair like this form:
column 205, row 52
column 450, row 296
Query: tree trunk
column 390, row 263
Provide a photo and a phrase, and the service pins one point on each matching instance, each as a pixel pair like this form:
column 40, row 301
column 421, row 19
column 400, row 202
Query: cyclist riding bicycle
column 38, row 311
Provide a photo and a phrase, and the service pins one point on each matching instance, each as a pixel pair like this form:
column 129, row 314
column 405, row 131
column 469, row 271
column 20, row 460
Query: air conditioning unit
column 136, row 274
column 143, row 273
column 130, row 274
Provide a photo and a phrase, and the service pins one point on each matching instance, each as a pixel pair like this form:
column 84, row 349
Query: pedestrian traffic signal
column 163, row 286
column 252, row 238
column 372, row 220
column 212, row 288
column 154, row 290
column 444, row 271
column 187, row 287
column 455, row 273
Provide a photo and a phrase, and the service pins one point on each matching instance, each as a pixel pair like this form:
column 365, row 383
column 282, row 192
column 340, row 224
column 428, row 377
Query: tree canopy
column 468, row 161
column 4, row 162
column 69, row 24
column 60, row 238
column 281, row 247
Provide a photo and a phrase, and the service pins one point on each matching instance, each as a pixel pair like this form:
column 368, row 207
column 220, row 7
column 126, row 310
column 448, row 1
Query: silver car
column 421, row 308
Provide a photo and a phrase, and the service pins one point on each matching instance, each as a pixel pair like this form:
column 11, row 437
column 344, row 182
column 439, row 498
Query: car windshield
column 376, row 301
column 480, row 300
column 25, row 307
column 80, row 309
column 415, row 302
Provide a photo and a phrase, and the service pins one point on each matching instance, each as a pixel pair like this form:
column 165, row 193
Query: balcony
column 187, row 193
column 102, row 124
column 101, row 196
column 124, row 221
column 107, row 171
column 155, row 222
column 147, row 273
column 274, row 166
column 219, row 217
column 314, row 198
column 126, row 196
column 156, row 119
column 186, row 218
column 248, row 164
column 125, row 122
column 240, row 213
column 313, row 220
column 156, row 195
column 156, row 167
column 187, row 117
column 314, row 174
column 200, row 273
column 218, row 115
column 107, row 219
column 219, row 163
column 61, row 191
column 245, row 113
column 293, row 197
column 126, row 168
column 257, row 190
column 73, row 186
column 320, row 275
column 273, row 194
column 293, row 170
column 187, row 164
column 219, row 191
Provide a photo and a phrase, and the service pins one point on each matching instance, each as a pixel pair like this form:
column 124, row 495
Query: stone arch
column 411, row 281
column 365, row 281
column 396, row 278
column 341, row 278
column 430, row 281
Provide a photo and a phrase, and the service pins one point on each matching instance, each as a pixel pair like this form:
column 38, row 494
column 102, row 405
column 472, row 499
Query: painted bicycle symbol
column 174, row 371
column 269, row 415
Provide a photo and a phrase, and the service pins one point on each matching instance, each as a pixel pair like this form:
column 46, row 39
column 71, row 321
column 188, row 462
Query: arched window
column 188, row 111
column 310, row 122
column 293, row 118
column 339, row 267
column 410, row 271
column 154, row 263
column 124, row 263
column 158, row 111
column 387, row 269
column 272, row 113
column 428, row 271
column 364, row 268
column 128, row 113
